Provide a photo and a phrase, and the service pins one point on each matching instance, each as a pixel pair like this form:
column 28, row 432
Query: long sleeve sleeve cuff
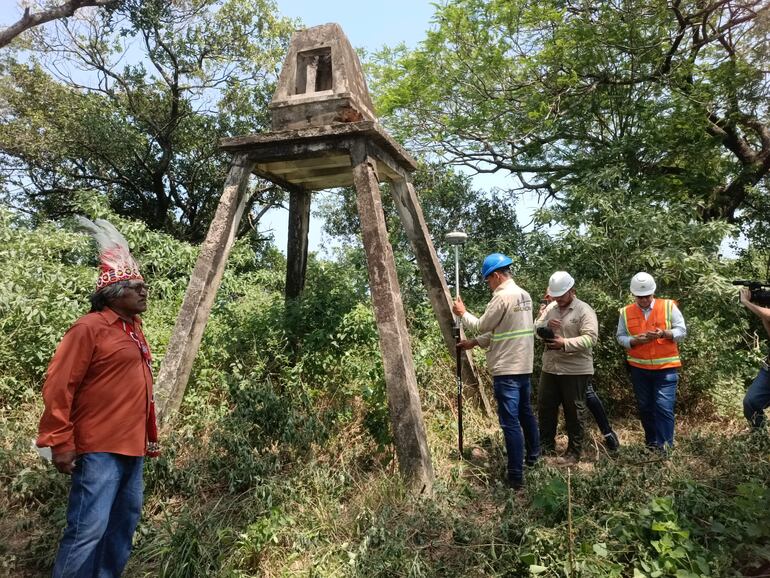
column 625, row 341
column 470, row 321
column 678, row 334
column 48, row 441
column 484, row 340
column 68, row 446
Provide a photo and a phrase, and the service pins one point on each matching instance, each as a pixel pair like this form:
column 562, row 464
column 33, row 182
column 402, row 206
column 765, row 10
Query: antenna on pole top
column 456, row 238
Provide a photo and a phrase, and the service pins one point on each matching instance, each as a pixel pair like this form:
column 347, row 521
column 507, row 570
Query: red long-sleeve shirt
column 97, row 390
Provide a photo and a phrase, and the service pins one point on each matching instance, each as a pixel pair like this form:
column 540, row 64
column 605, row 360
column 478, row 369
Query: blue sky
column 367, row 24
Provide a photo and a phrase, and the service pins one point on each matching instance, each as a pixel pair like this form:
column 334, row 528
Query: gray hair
column 505, row 271
column 106, row 295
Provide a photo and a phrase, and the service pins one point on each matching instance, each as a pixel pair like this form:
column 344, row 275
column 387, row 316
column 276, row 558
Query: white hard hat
column 642, row 284
column 559, row 283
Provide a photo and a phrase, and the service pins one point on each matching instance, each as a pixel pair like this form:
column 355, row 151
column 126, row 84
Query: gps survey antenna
column 458, row 238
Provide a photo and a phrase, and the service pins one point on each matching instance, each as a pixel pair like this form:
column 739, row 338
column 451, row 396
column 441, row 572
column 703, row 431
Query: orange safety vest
column 657, row 354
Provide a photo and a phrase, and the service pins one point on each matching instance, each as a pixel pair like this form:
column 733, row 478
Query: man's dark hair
column 101, row 298
column 505, row 271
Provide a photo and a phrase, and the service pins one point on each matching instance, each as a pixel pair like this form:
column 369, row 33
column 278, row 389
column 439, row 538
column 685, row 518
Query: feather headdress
column 117, row 262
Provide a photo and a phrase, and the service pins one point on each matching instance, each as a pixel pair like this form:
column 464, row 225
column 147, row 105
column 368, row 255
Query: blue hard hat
column 494, row 262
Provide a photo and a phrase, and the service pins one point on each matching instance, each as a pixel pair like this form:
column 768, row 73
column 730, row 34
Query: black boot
column 611, row 441
column 516, row 484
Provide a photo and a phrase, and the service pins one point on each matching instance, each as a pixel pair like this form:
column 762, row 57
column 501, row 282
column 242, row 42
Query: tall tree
column 449, row 201
column 132, row 103
column 670, row 95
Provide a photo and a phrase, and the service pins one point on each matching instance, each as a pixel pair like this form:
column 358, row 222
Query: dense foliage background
column 641, row 125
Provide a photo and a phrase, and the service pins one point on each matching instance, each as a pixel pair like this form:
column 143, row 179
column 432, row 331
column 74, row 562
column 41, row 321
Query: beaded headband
column 117, row 262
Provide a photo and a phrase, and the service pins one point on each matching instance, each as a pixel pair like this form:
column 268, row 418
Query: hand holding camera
column 754, row 292
column 744, row 296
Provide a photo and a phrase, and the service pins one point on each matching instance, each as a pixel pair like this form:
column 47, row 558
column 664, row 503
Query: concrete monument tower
column 325, row 135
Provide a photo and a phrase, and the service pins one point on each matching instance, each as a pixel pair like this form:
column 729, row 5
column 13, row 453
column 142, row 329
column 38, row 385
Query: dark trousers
column 596, row 407
column 569, row 392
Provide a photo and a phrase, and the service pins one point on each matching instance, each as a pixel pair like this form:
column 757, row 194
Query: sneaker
column 531, row 463
column 611, row 441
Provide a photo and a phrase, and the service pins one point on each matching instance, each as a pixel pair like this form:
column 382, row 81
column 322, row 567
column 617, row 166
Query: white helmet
column 559, row 283
column 642, row 284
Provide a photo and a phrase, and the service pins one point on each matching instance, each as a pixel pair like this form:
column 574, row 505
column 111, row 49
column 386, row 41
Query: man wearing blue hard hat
column 506, row 331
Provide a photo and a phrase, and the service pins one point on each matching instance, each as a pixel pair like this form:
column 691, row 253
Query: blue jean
column 104, row 506
column 655, row 391
column 757, row 399
column 517, row 421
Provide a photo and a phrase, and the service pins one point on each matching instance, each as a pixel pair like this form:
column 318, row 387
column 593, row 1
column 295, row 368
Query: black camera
column 545, row 333
column 760, row 292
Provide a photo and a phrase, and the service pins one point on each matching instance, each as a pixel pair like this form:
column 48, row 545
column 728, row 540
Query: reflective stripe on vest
column 657, row 354
column 658, row 361
column 516, row 334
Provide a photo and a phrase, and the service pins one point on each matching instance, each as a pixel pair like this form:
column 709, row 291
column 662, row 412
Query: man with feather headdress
column 99, row 418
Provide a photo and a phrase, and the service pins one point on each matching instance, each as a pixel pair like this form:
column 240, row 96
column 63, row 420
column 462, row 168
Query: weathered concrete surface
column 201, row 291
column 412, row 218
column 279, row 153
column 296, row 247
column 400, row 380
column 321, row 82
column 318, row 158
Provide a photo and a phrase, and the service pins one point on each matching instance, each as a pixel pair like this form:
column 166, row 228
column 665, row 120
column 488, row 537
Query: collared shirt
column 506, row 330
column 580, row 330
column 97, row 390
column 678, row 329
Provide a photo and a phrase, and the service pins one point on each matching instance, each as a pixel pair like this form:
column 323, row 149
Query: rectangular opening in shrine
column 314, row 71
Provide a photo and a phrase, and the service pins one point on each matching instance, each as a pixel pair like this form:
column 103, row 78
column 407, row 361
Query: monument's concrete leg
column 199, row 297
column 296, row 249
column 403, row 397
column 433, row 278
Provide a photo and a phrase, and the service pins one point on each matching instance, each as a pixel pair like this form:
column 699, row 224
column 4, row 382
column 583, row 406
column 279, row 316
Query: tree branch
column 28, row 20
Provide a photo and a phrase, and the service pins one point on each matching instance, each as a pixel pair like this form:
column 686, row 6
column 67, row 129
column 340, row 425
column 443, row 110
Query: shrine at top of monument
column 321, row 82
column 320, row 110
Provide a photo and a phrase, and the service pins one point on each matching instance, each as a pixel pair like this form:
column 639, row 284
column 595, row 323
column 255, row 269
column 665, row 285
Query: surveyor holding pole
column 505, row 330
